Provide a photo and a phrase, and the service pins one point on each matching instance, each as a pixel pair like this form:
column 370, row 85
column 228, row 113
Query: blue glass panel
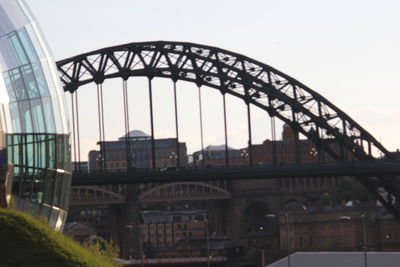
column 27, row 44
column 15, row 118
column 30, row 81
column 61, row 152
column 51, row 156
column 14, row 13
column 9, row 86
column 30, row 151
column 33, row 30
column 57, row 115
column 18, row 84
column 41, row 152
column 18, row 49
column 40, row 79
column 7, row 57
column 58, row 189
column 38, row 116
column 26, row 117
column 48, row 115
column 5, row 22
column 36, row 106
column 49, row 78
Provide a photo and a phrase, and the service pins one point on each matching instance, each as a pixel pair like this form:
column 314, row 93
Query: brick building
column 339, row 228
column 162, row 229
column 133, row 151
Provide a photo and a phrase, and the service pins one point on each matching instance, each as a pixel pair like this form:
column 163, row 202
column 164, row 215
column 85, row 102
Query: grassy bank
column 25, row 241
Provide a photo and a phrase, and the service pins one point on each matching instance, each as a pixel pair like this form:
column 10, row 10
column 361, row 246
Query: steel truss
column 282, row 96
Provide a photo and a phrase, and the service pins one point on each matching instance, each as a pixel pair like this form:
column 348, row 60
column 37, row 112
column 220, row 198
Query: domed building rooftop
column 217, row 148
column 135, row 134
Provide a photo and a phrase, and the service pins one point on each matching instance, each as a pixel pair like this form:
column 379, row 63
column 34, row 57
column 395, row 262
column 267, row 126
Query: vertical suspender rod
column 153, row 149
column 178, row 155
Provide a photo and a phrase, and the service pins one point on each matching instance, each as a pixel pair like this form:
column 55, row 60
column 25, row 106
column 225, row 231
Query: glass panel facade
column 37, row 136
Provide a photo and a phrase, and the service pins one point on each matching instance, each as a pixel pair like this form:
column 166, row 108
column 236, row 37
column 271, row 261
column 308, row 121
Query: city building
column 339, row 259
column 134, row 151
column 80, row 166
column 166, row 228
column 34, row 132
column 339, row 228
column 280, row 152
column 215, row 156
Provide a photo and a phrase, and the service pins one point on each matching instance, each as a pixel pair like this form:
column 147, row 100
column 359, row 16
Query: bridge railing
column 282, row 165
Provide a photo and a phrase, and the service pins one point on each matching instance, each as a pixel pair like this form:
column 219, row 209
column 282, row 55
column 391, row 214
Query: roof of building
column 217, row 148
column 135, row 134
column 340, row 259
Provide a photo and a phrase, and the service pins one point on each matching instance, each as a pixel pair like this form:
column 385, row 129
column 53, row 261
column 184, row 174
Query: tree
column 102, row 247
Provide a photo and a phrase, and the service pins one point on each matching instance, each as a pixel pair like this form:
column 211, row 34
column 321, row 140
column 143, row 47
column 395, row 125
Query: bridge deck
column 356, row 168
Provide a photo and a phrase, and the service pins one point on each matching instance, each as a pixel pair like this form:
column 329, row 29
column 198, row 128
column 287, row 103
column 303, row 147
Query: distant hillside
column 25, row 242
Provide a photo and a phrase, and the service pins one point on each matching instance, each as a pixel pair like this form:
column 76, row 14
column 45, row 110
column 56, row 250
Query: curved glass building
column 34, row 133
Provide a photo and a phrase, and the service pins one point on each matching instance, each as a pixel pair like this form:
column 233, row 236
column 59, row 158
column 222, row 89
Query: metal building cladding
column 35, row 149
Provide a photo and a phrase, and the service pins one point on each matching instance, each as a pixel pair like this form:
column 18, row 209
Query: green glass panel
column 58, row 189
column 9, row 86
column 40, row 79
column 30, row 81
column 18, row 84
column 60, row 152
column 18, row 49
column 15, row 118
column 38, row 116
column 42, row 152
column 49, row 187
column 27, row 44
column 52, row 153
column 29, row 154
column 26, row 118
column 48, row 115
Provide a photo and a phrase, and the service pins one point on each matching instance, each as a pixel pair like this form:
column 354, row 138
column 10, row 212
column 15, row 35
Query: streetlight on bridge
column 244, row 154
column 100, row 161
column 173, row 157
column 314, row 153
column 131, row 164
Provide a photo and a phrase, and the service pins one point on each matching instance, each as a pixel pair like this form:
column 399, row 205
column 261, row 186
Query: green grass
column 25, row 241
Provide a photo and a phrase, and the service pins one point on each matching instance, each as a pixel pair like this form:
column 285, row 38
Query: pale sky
column 346, row 50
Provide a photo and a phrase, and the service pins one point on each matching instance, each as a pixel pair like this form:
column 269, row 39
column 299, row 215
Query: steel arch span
column 183, row 191
column 256, row 83
column 282, row 96
column 94, row 195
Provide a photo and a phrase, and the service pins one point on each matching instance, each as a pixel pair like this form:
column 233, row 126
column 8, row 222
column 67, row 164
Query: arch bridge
column 335, row 135
column 149, row 192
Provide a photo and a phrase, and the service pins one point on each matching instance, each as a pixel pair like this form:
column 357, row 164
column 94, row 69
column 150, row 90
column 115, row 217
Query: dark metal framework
column 258, row 84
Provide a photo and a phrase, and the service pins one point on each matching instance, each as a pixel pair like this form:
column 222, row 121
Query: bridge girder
column 183, row 191
column 175, row 191
column 94, row 195
column 282, row 96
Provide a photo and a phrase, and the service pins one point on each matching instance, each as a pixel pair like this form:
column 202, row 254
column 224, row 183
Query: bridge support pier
column 130, row 228
column 216, row 212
